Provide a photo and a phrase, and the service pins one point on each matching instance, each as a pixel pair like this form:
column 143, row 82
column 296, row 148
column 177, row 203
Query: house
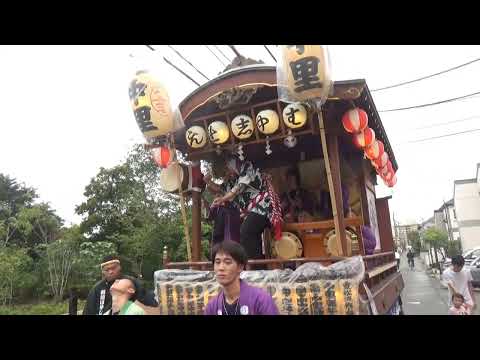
column 445, row 220
column 402, row 232
column 466, row 197
column 427, row 224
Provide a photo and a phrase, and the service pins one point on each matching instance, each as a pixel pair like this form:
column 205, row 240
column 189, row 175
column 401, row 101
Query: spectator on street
column 124, row 293
column 410, row 257
column 459, row 281
column 397, row 257
column 99, row 299
column 459, row 307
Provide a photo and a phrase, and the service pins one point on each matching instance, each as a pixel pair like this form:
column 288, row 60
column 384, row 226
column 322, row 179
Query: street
column 423, row 294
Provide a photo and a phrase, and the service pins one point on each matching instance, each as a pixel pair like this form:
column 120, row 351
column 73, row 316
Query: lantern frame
column 257, row 137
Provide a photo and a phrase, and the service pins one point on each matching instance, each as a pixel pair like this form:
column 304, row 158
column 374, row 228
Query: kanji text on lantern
column 305, row 73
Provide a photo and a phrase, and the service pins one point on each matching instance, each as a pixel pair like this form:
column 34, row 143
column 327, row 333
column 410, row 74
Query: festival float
column 293, row 114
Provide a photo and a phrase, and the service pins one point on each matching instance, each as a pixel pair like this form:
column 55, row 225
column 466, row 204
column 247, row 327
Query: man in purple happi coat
column 236, row 297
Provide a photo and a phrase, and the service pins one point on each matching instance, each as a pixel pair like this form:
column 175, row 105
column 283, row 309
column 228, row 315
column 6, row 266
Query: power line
column 431, row 104
column 273, row 57
column 169, row 63
column 221, row 61
column 221, row 52
column 427, row 77
column 448, row 122
column 442, row 136
column 175, row 67
column 179, row 54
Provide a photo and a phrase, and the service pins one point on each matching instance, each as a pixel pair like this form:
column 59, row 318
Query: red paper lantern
column 364, row 138
column 393, row 181
column 381, row 161
column 388, row 168
column 388, row 176
column 162, row 156
column 355, row 120
column 375, row 150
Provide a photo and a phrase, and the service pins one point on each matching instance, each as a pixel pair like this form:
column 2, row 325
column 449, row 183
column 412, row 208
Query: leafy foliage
column 124, row 213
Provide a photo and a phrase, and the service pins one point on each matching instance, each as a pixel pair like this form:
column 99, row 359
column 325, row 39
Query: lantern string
column 426, row 77
column 175, row 67
column 273, row 57
column 221, row 52
column 218, row 58
column 188, row 62
column 431, row 104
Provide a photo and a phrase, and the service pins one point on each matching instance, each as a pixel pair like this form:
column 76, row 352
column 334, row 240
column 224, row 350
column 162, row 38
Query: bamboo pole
column 323, row 139
column 182, row 208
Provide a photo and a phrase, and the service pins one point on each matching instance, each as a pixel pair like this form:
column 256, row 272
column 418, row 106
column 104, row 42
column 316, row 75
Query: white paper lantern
column 218, row 132
column 196, row 137
column 267, row 122
column 295, row 115
column 242, row 126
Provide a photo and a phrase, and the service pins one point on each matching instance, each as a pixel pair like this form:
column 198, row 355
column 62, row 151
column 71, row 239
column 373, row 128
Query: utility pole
column 449, row 228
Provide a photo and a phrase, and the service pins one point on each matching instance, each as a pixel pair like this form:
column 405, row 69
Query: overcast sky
column 65, row 113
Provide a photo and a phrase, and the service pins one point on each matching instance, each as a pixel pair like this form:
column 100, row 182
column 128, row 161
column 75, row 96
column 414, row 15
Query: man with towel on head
column 99, row 300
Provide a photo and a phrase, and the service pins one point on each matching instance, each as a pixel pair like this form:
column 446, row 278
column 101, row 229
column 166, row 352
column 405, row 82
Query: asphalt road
column 423, row 294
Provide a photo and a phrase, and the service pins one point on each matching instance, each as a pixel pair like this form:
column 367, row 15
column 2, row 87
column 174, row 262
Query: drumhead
column 169, row 177
column 288, row 247
column 331, row 243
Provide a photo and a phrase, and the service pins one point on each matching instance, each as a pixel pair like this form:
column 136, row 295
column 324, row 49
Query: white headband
column 109, row 262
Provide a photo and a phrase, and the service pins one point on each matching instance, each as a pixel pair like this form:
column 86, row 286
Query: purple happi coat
column 252, row 301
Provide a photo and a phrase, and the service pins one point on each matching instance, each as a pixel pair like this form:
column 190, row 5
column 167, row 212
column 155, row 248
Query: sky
column 65, row 113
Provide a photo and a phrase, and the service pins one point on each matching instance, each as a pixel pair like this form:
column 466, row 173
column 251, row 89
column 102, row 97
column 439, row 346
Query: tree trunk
column 436, row 259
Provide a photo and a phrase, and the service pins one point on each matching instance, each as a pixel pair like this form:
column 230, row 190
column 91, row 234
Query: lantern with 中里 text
column 375, row 150
column 364, row 138
column 162, row 156
column 196, row 137
column 151, row 105
column 303, row 73
column 295, row 115
column 267, row 122
column 242, row 127
column 218, row 132
column 355, row 120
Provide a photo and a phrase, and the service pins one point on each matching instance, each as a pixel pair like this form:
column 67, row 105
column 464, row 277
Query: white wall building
column 466, row 196
column 445, row 220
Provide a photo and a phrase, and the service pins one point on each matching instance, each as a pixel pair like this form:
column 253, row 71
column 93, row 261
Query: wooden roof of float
column 256, row 84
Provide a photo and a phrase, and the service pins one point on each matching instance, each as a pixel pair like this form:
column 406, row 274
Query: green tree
column 436, row 239
column 454, row 248
column 126, row 206
column 415, row 241
column 14, row 198
column 16, row 272
column 58, row 259
column 86, row 266
column 38, row 224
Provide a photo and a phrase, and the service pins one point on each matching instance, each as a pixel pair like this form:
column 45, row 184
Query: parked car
column 469, row 256
column 474, row 268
